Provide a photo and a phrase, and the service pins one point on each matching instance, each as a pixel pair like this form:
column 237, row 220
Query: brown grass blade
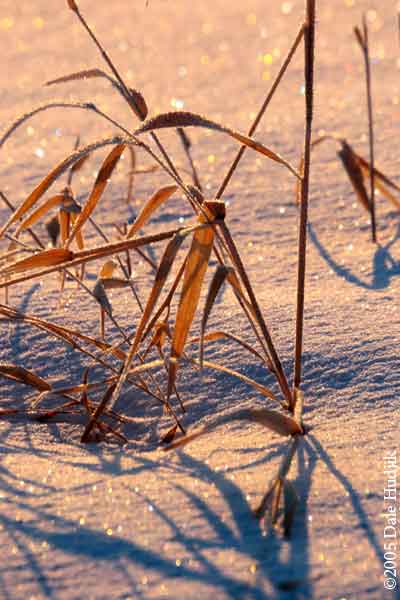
column 354, row 172
column 365, row 165
column 22, row 375
column 54, row 174
column 379, row 181
column 97, row 413
column 216, row 283
column 103, row 176
column 131, row 175
column 67, row 335
column 150, row 207
column 276, row 365
column 187, row 119
column 39, row 212
column 74, row 259
column 163, row 271
column 77, row 167
column 137, row 104
column 195, row 270
column 386, row 193
column 84, row 74
column 359, row 38
column 64, row 219
column 277, row 422
column 53, row 256
column 72, row 5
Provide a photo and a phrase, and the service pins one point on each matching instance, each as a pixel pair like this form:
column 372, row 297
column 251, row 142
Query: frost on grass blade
column 187, row 119
column 85, row 74
column 47, row 258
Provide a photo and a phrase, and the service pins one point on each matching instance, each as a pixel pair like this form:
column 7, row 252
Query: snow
column 99, row 521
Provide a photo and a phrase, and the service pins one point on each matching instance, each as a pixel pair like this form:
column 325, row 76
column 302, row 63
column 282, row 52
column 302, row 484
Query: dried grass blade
column 39, row 212
column 187, row 119
column 354, row 172
column 47, row 258
column 277, row 422
column 79, row 258
column 276, row 365
column 163, row 271
column 103, row 176
column 131, row 176
column 22, row 375
column 195, row 270
column 137, row 103
column 79, row 75
column 51, row 177
column 97, row 413
column 65, row 334
column 216, row 283
column 365, row 165
column 150, row 207
column 379, row 180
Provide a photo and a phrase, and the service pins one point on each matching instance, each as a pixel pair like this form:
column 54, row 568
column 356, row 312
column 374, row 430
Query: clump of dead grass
column 160, row 343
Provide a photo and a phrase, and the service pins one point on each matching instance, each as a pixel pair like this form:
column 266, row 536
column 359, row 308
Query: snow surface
column 101, row 522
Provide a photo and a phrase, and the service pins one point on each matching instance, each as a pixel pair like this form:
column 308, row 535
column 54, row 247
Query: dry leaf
column 151, row 205
column 24, row 376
